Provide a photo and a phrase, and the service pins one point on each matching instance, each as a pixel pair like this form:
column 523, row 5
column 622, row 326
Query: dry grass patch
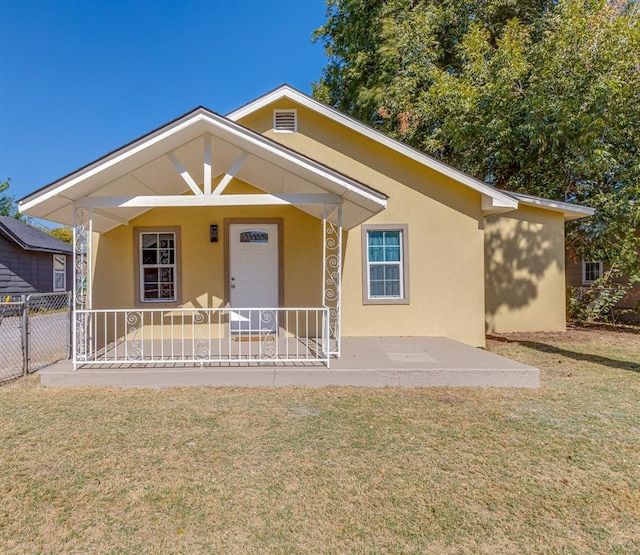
column 334, row 470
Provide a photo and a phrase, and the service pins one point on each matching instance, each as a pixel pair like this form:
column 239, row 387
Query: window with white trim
column 385, row 264
column 591, row 271
column 158, row 267
column 285, row 121
column 59, row 272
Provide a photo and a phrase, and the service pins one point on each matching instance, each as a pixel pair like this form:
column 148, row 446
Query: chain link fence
column 35, row 331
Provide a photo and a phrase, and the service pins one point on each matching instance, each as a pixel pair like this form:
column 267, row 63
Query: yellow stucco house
column 272, row 232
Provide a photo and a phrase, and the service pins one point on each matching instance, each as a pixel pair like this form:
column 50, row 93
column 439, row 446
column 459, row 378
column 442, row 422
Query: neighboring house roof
column 30, row 238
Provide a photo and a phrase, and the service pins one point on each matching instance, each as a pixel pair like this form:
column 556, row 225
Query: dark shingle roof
column 31, row 238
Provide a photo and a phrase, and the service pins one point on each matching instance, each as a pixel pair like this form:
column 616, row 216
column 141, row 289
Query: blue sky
column 81, row 78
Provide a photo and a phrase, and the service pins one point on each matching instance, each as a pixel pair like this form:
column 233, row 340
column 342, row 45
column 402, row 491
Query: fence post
column 25, row 334
column 69, row 324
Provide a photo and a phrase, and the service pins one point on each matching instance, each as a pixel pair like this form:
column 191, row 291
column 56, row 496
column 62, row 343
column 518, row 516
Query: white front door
column 253, row 275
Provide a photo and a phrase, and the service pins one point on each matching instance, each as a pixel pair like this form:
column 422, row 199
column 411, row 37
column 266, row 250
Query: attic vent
column 285, row 121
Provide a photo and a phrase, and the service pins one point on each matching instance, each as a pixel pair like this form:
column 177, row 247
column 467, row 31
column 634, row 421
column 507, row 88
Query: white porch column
column 82, row 295
column 332, row 272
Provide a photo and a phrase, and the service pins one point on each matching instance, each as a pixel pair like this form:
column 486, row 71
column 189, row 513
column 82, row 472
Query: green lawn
column 334, row 470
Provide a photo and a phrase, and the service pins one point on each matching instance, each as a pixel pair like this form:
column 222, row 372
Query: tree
column 63, row 233
column 532, row 96
column 7, row 202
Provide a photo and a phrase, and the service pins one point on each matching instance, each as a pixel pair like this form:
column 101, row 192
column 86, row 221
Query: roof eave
column 569, row 210
column 375, row 200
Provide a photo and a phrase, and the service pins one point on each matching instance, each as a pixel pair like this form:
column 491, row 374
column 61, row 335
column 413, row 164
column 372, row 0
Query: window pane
column 591, row 271
column 58, row 263
column 166, row 241
column 255, row 236
column 385, row 263
column 150, row 275
column 376, row 238
column 391, row 238
column 392, row 272
column 392, row 254
column 384, row 280
column 377, row 288
column 150, row 291
column 166, row 275
column 165, row 257
column 376, row 254
column 58, row 279
column 157, row 266
column 149, row 256
column 166, row 291
column 376, row 272
column 392, row 288
column 149, row 240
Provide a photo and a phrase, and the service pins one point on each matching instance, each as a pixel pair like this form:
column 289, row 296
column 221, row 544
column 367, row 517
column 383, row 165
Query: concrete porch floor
column 365, row 362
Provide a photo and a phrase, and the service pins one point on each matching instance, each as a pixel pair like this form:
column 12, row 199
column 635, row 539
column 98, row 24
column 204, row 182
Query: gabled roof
column 164, row 161
column 143, row 167
column 494, row 199
column 31, row 238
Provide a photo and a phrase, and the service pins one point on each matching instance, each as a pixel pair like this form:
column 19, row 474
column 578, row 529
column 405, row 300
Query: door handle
column 233, row 286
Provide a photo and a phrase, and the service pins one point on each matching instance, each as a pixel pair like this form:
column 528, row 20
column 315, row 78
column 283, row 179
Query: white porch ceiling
column 144, row 169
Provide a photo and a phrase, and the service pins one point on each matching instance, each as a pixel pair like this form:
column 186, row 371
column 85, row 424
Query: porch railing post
column 332, row 274
column 82, row 299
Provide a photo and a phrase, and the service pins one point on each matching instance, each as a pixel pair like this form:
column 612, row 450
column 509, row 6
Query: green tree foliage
column 7, row 202
column 63, row 233
column 533, row 96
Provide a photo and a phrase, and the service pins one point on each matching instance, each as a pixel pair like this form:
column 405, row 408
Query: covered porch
column 151, row 304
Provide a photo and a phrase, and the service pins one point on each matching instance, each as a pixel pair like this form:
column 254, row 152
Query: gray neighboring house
column 32, row 261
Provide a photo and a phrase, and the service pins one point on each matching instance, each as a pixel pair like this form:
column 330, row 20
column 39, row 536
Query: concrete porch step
column 365, row 362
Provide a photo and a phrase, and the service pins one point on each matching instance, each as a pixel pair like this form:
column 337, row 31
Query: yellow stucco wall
column 445, row 233
column 524, row 271
column 457, row 259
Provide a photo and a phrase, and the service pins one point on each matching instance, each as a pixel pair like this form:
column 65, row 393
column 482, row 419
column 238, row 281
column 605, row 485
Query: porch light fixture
column 213, row 233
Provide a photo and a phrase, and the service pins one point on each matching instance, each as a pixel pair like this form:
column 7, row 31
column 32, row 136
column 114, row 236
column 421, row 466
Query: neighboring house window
column 591, row 271
column 385, row 264
column 157, row 265
column 59, row 272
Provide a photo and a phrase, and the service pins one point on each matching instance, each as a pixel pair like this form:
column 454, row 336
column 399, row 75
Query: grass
column 334, row 470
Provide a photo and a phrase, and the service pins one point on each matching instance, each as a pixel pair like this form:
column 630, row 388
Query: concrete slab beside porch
column 365, row 362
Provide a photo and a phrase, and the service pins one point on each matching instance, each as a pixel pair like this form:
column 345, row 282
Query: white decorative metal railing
column 201, row 336
column 332, row 274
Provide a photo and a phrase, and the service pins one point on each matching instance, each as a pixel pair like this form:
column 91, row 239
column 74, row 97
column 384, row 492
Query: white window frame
column 586, row 281
column 140, row 233
column 286, row 111
column 403, row 264
column 63, row 272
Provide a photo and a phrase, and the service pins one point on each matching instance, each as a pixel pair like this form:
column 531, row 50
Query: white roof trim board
column 362, row 201
column 570, row 211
